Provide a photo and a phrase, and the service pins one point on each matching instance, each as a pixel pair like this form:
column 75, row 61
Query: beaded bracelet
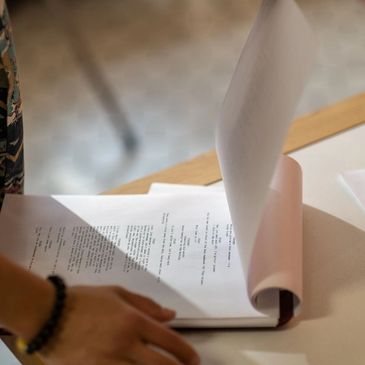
column 51, row 325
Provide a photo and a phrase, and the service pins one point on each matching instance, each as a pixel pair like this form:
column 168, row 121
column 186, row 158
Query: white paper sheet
column 355, row 182
column 6, row 357
column 258, row 110
column 178, row 249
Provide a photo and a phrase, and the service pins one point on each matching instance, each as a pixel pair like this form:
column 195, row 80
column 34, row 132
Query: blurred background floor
column 168, row 64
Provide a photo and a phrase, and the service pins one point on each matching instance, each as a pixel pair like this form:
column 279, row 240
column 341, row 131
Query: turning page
column 258, row 110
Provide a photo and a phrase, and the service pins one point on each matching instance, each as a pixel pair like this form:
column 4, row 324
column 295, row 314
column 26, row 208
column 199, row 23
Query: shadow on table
column 334, row 257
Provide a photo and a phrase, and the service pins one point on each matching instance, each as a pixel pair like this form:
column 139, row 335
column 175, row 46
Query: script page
column 178, row 249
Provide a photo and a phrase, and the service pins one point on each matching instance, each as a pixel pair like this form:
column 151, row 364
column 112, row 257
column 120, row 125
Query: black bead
column 50, row 326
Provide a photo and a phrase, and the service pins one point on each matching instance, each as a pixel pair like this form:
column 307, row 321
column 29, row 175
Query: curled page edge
column 273, row 280
column 258, row 110
column 277, row 259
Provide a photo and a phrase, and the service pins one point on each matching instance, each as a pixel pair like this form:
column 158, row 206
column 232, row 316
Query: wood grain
column 311, row 128
column 326, row 122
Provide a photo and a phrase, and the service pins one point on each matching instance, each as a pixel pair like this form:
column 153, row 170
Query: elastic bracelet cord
column 51, row 325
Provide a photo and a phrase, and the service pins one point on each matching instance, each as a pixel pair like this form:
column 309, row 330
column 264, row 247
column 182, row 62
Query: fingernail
column 169, row 312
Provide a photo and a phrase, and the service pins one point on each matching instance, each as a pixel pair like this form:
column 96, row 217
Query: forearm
column 2, row 6
column 26, row 300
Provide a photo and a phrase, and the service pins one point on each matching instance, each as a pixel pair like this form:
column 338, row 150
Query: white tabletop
column 331, row 326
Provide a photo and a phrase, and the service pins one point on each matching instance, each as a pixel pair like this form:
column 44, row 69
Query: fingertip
column 169, row 313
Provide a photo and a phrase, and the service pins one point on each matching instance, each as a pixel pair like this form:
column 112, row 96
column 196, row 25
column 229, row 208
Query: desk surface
column 330, row 328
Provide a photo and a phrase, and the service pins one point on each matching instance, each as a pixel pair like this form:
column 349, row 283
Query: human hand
column 113, row 326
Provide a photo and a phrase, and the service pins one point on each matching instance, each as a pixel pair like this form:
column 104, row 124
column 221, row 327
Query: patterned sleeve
column 11, row 121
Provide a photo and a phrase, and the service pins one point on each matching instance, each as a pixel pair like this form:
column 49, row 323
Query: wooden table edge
column 306, row 130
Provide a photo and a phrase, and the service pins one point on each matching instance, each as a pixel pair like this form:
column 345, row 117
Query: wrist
column 39, row 310
column 48, row 328
column 26, row 300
